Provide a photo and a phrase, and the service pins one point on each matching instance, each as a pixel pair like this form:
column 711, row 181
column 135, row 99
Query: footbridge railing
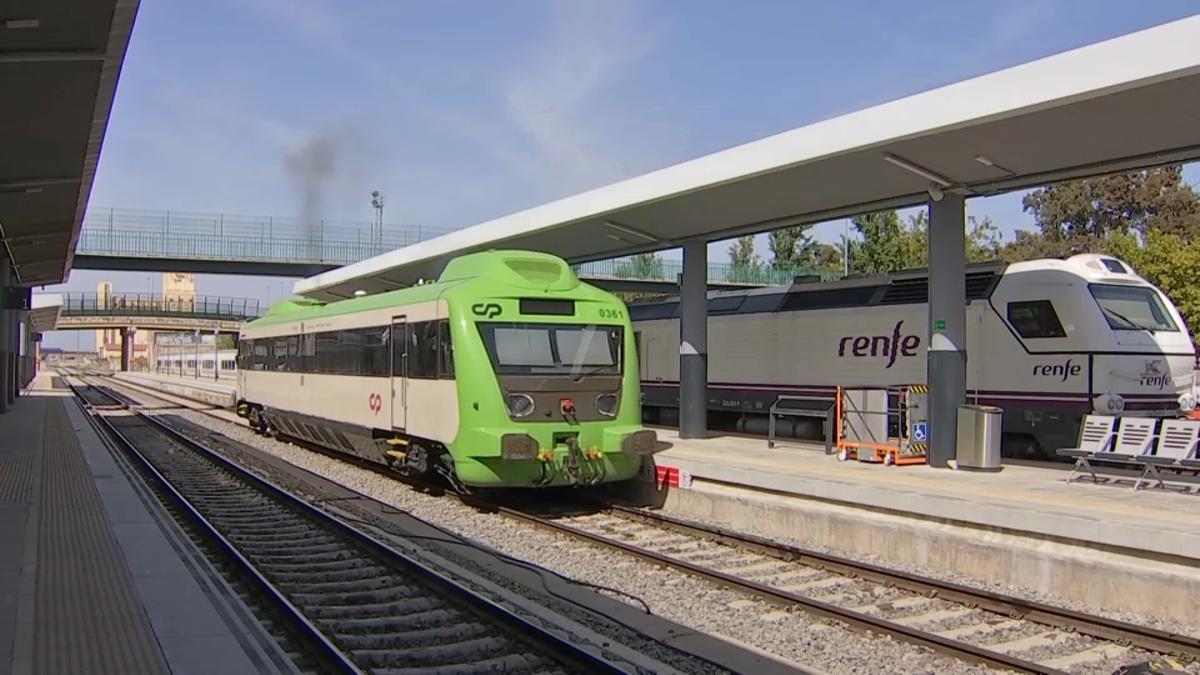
column 201, row 307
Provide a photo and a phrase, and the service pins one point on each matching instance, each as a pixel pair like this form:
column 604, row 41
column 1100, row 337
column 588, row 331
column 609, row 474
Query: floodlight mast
column 377, row 201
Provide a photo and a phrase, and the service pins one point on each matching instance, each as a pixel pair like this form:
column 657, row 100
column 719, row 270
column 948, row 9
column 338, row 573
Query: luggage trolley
column 870, row 429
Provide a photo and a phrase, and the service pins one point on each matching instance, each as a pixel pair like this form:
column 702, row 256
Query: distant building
column 178, row 288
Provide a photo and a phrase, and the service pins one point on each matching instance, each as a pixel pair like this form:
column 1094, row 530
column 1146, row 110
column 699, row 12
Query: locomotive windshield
column 1132, row 307
column 554, row 349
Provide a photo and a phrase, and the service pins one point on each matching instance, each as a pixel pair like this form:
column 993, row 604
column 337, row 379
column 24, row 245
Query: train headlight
column 1187, row 402
column 606, row 404
column 519, row 405
column 518, row 446
column 1110, row 403
column 641, row 442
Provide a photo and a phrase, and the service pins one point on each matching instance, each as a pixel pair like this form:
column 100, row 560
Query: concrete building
column 177, row 287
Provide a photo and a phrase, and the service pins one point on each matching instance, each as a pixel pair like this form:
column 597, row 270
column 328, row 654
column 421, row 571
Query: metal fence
column 146, row 304
column 222, row 236
column 669, row 270
column 186, row 235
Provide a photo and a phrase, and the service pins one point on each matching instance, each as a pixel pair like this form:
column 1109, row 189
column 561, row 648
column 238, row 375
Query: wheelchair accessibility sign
column 920, row 432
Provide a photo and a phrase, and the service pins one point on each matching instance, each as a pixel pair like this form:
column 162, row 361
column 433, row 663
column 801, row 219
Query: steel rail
column 329, row 650
column 532, row 632
column 1018, row 608
column 1150, row 639
column 865, row 622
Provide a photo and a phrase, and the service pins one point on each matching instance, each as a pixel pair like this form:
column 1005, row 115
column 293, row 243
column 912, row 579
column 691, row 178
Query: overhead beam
column 56, row 56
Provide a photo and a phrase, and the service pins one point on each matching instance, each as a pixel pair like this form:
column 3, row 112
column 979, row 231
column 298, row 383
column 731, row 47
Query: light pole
column 196, row 337
column 377, row 235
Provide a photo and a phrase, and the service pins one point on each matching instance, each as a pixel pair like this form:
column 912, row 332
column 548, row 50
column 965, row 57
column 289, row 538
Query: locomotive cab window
column 1035, row 319
column 553, row 349
column 1132, row 307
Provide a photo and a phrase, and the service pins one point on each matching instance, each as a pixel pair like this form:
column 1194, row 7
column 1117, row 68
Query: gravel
column 702, row 605
column 807, row 641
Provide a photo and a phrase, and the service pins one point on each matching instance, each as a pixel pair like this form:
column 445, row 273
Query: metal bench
column 827, row 414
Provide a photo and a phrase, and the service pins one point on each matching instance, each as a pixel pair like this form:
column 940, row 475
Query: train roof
column 896, row 288
column 502, row 269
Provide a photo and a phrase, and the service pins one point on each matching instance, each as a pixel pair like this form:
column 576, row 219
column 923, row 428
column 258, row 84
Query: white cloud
column 553, row 96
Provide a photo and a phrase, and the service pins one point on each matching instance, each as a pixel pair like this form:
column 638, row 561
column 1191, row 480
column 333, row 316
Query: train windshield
column 1132, row 307
column 553, row 349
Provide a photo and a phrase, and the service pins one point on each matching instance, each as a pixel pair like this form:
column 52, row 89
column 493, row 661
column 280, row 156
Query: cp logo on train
column 375, row 403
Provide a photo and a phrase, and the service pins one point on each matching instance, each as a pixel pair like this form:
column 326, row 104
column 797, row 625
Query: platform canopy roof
column 44, row 311
column 1129, row 102
column 59, row 63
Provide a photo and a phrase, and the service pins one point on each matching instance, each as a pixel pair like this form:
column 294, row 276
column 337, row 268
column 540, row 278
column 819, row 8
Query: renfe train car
column 1047, row 340
column 506, row 372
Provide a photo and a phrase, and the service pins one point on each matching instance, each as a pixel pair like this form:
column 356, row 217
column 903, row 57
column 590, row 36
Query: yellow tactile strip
column 88, row 617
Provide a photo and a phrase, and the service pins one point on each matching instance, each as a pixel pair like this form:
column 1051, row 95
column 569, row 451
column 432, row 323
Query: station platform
column 220, row 393
column 1027, row 497
column 1102, row 543
column 93, row 578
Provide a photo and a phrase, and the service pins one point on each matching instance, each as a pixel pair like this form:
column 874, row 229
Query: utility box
column 978, row 438
column 864, row 417
column 916, row 420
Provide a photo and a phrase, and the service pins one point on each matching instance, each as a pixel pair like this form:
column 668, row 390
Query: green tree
column 792, row 247
column 887, row 244
column 641, row 266
column 1076, row 216
column 744, row 263
column 226, row 341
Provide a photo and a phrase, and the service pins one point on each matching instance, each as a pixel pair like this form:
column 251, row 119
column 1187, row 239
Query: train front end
column 1145, row 361
column 548, row 387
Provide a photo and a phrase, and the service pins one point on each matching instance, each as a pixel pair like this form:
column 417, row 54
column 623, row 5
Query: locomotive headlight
column 606, row 404
column 519, row 405
column 1110, row 403
column 1187, row 402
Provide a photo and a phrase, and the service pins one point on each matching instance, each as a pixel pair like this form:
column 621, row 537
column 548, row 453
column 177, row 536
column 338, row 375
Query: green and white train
column 508, row 371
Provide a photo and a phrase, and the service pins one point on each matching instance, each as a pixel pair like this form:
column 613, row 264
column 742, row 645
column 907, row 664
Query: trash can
column 978, row 447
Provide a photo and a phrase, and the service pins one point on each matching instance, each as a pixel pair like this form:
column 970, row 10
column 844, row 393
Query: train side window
column 294, row 362
column 375, row 351
column 1035, row 319
column 422, row 350
column 308, row 353
column 445, row 350
column 327, row 351
column 262, row 354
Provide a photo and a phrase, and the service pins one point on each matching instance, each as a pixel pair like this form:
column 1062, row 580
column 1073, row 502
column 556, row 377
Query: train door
column 399, row 372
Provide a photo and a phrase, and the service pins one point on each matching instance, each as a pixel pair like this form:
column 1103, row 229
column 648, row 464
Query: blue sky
column 463, row 111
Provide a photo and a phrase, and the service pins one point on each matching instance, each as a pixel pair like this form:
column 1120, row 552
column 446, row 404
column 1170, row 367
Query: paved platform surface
column 222, row 393
column 1020, row 498
column 91, row 579
column 223, row 385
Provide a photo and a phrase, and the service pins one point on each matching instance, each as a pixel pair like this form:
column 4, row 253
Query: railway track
column 364, row 606
column 971, row 624
column 975, row 625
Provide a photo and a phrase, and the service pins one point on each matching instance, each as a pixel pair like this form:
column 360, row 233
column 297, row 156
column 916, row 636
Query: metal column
column 126, row 346
column 947, row 365
column 693, row 341
column 5, row 280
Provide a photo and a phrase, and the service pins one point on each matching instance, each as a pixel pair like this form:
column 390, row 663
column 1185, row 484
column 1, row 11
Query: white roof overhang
column 43, row 311
column 1129, row 102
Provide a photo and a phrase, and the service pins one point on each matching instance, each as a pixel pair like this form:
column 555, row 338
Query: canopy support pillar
column 693, row 341
column 947, row 364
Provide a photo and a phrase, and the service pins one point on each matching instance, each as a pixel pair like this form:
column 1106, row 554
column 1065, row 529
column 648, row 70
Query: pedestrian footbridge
column 146, row 311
